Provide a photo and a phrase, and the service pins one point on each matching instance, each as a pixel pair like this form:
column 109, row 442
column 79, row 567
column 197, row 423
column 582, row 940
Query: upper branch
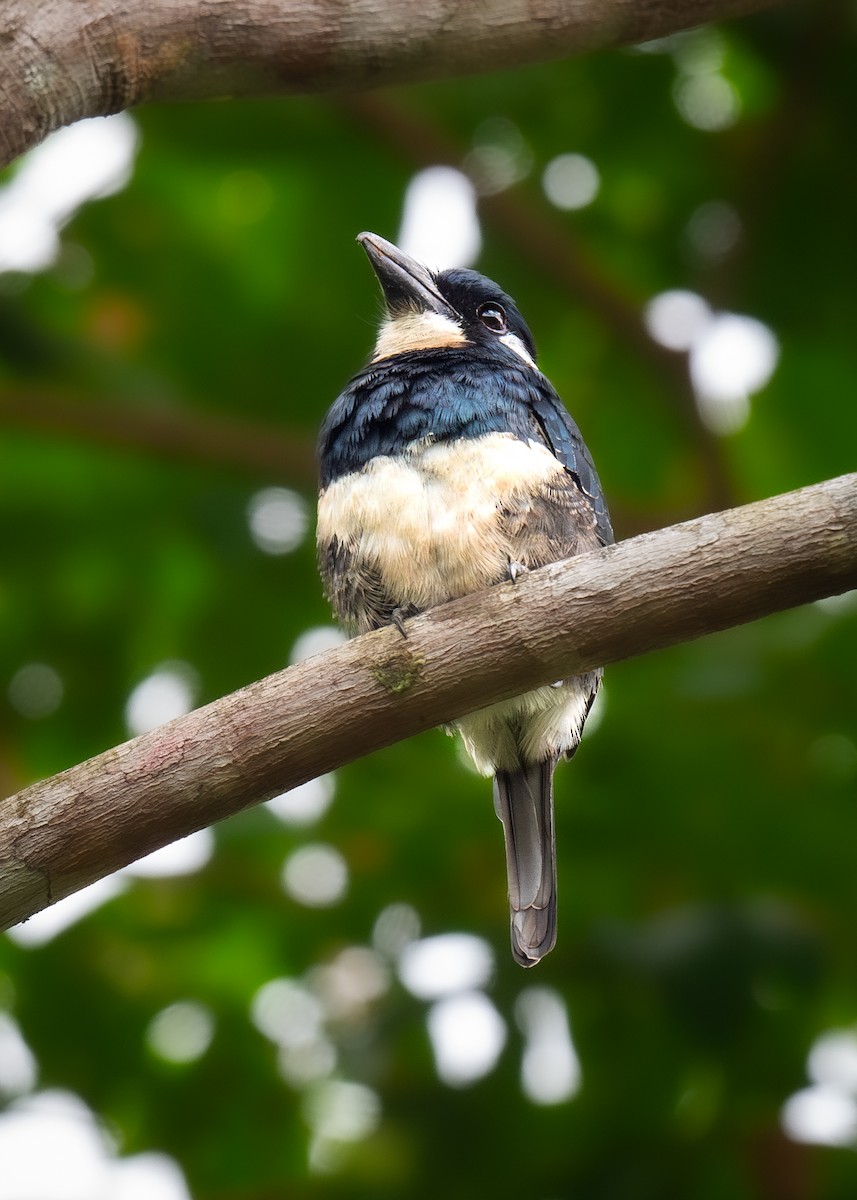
column 64, row 60
column 649, row 592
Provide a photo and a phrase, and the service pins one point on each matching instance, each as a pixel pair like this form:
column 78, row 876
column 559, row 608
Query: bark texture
column 640, row 595
column 61, row 60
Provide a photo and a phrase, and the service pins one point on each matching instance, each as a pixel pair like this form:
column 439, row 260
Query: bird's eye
column 493, row 317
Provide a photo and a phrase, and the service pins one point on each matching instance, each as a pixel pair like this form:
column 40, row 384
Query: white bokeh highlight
column 316, row 640
column 290, row 1015
column 339, row 1113
column 571, row 181
column 182, row 1032
column 500, row 156
column 305, row 804
column 342, row 1111
column 351, row 983
column 169, row 692
column 825, row 1113
column 704, row 97
column 149, row 1176
column 550, row 1068
column 699, row 51
column 77, row 1167
column 18, row 1066
column 440, row 225
column 36, row 690
column 82, row 162
column 300, row 1066
column 43, row 926
column 708, row 102
column 466, row 1032
column 396, row 926
column 677, row 318
column 731, row 356
column 447, row 963
column 53, row 1148
column 182, row 857
column 185, row 856
column 822, row 1116
column 467, row 1036
column 315, row 876
column 287, row 1013
column 839, row 606
column 832, row 1060
column 278, row 519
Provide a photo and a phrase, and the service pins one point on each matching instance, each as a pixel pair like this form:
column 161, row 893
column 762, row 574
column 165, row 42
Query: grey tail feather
column 523, row 800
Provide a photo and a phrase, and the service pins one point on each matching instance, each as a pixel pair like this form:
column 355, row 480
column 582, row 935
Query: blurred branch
column 66, row 60
column 199, row 438
column 640, row 595
column 555, row 251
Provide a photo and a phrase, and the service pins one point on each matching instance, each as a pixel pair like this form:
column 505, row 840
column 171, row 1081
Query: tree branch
column 66, row 60
column 640, row 595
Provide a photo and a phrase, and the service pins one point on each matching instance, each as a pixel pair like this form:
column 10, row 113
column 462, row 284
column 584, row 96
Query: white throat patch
column 417, row 331
column 514, row 343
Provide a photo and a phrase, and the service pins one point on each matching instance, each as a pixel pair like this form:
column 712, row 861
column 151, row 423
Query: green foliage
column 705, row 830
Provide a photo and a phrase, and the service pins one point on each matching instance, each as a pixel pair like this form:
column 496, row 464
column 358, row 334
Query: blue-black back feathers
column 447, row 394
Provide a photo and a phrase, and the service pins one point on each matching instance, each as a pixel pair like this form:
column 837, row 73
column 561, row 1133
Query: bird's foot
column 398, row 615
column 516, row 569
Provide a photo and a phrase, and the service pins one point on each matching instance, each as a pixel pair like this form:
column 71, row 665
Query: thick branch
column 640, row 595
column 65, row 60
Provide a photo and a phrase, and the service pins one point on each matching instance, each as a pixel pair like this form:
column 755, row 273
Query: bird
column 447, row 465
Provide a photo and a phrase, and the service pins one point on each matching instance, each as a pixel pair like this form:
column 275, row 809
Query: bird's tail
column 523, row 800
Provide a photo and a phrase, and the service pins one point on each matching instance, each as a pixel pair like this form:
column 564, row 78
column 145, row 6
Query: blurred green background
column 267, row 1007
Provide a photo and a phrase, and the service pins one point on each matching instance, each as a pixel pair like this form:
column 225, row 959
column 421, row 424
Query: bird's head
column 433, row 311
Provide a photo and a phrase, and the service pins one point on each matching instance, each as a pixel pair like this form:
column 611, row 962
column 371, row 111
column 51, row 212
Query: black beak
column 408, row 286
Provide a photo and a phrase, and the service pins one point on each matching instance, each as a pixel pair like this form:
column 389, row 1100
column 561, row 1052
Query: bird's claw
column 516, row 569
column 397, row 616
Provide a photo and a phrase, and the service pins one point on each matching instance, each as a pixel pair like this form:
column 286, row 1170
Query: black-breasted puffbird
column 449, row 464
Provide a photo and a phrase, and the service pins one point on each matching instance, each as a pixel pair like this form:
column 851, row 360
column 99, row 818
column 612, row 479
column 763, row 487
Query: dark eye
column 493, row 317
